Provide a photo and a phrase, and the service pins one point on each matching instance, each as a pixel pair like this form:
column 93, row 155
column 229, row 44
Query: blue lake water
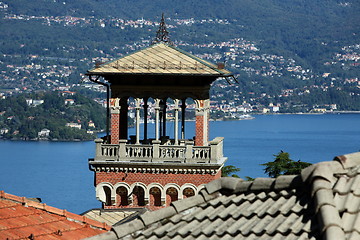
column 58, row 172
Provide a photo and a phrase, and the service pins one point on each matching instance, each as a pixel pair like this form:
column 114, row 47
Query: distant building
column 319, row 110
column 44, row 133
column 69, row 101
column 74, row 125
column 274, row 108
column 91, row 124
column 33, row 102
column 265, row 110
column 65, row 93
column 4, row 131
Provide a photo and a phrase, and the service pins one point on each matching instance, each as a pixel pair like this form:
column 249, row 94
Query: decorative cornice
column 156, row 170
column 160, row 169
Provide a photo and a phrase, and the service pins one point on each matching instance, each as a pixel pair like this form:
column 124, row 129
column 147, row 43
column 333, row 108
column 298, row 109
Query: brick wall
column 199, row 130
column 115, row 128
column 147, row 178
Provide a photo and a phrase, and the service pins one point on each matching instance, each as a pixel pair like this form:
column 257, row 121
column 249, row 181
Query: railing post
column 216, row 149
column 122, row 149
column 98, row 153
column 188, row 150
column 157, row 118
column 156, row 150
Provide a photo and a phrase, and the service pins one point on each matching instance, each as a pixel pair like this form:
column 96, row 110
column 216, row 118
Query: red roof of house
column 23, row 218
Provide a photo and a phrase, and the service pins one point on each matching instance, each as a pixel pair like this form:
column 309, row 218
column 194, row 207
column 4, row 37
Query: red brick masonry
column 147, row 178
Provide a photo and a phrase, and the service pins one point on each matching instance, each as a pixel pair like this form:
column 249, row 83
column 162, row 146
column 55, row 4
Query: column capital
column 138, row 103
column 176, row 104
column 202, row 104
column 115, row 105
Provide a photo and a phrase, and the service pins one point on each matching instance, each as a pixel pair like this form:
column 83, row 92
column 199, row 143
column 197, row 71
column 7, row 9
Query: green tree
column 283, row 165
column 229, row 171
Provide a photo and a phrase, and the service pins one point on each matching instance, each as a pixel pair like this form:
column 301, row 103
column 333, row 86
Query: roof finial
column 162, row 35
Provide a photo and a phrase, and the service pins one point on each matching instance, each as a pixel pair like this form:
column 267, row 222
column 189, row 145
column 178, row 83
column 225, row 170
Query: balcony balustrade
column 185, row 152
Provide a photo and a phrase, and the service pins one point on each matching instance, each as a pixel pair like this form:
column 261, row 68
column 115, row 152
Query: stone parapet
column 186, row 153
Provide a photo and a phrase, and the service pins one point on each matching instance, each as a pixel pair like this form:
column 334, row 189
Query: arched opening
column 107, row 192
column 188, row 192
column 171, row 195
column 155, row 196
column 138, row 196
column 122, row 196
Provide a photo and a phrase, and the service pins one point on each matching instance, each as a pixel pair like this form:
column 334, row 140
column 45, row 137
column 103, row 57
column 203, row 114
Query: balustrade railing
column 201, row 153
column 156, row 152
column 139, row 152
column 172, row 153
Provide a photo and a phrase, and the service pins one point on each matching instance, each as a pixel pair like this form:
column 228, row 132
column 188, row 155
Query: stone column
column 202, row 122
column 115, row 120
column 137, row 108
column 145, row 118
column 157, row 118
column 176, row 122
column 183, row 109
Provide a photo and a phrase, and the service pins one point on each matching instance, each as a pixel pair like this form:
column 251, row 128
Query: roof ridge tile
column 187, row 203
column 213, row 186
column 287, row 181
column 207, row 197
column 126, row 228
column 262, row 184
column 348, row 160
column 243, row 186
column 323, row 170
column 151, row 217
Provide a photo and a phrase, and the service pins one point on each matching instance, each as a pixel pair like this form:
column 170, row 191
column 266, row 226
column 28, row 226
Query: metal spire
column 162, row 35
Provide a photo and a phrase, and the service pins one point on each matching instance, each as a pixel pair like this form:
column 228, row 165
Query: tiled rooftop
column 21, row 218
column 323, row 202
column 160, row 59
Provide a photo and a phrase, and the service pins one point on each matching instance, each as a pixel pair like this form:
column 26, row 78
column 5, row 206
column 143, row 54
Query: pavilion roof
column 162, row 59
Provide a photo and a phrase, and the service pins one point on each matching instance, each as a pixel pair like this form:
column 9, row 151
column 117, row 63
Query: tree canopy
column 283, row 165
column 229, row 171
column 23, row 120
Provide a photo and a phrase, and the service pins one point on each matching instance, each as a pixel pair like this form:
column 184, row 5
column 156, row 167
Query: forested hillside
column 282, row 52
column 24, row 116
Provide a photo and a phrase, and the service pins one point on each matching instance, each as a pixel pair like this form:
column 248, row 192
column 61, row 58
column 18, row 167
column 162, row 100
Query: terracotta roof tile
column 21, row 218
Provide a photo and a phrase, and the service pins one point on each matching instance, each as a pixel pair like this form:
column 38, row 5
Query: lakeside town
column 64, row 73
column 58, row 74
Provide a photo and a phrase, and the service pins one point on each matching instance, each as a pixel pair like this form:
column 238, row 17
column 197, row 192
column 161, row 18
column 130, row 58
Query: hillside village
column 41, row 73
column 245, row 58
